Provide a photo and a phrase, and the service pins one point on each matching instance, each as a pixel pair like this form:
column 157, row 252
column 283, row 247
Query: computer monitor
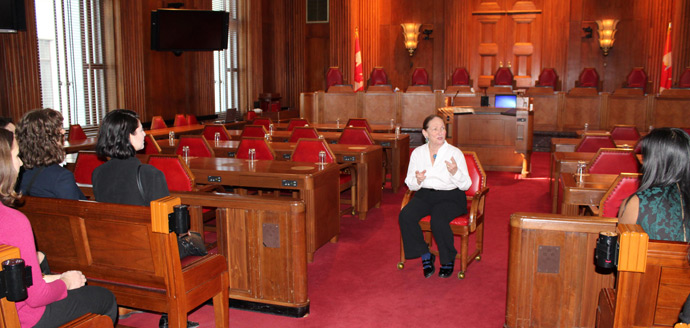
column 505, row 101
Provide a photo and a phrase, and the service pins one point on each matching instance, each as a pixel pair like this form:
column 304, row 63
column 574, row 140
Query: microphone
column 452, row 101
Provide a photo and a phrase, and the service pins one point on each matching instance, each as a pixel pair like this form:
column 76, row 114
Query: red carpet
column 355, row 282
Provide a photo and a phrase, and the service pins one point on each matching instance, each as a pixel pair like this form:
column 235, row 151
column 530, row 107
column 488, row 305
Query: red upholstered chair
column 265, row 121
column 191, row 119
column 251, row 115
column 157, row 122
column 420, row 76
column 295, row 122
column 302, row 132
column 591, row 142
column 625, row 132
column 355, row 136
column 177, row 174
column 625, row 185
column 151, row 146
column 262, row 148
column 359, row 122
column 589, row 78
column 86, row 162
column 258, row 131
column 307, row 150
column 378, row 76
column 637, row 78
column 614, row 161
column 333, row 77
column 198, row 146
column 465, row 225
column 180, row 120
column 210, row 131
column 684, row 79
column 503, row 76
column 460, row 77
column 548, row 78
column 76, row 133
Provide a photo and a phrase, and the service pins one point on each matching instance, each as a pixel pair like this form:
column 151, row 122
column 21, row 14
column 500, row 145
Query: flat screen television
column 12, row 16
column 180, row 30
column 505, row 101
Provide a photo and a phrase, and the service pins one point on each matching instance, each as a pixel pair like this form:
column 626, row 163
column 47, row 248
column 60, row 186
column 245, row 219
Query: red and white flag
column 359, row 76
column 666, row 68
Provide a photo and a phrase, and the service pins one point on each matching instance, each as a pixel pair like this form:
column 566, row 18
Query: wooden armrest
column 406, row 198
column 477, row 201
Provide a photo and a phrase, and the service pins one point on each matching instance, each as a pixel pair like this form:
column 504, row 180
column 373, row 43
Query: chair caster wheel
column 478, row 258
column 353, row 212
column 401, row 265
column 461, row 275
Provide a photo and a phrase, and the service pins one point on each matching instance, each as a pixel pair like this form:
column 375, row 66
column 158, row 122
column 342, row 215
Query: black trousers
column 80, row 301
column 443, row 206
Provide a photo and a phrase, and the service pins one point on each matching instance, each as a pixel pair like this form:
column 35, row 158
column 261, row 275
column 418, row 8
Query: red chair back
column 151, row 146
column 307, row 150
column 302, row 132
column 359, row 122
column 177, row 174
column 180, row 120
column 210, row 131
column 625, row 185
column 76, row 133
column 684, row 80
column 295, row 122
column 420, row 76
column 355, row 136
column 614, row 161
column 503, row 76
column 191, row 120
column 87, row 161
column 265, row 121
column 589, row 78
column 157, row 122
column 591, row 143
column 333, row 77
column 460, row 77
column 548, row 78
column 378, row 76
column 198, row 146
column 625, row 132
column 251, row 115
column 262, row 149
column 476, row 172
column 637, row 78
column 257, row 131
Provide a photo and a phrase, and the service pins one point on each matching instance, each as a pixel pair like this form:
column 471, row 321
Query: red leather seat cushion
column 462, row 220
column 345, row 178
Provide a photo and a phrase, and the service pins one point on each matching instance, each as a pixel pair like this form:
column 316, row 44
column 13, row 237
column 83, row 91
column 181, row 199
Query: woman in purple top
column 52, row 300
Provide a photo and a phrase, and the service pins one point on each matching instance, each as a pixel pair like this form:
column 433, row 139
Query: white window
column 226, row 62
column 72, row 63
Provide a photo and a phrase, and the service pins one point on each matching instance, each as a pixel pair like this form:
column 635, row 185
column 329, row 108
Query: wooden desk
column 397, row 150
column 367, row 160
column 569, row 144
column 564, row 162
column 179, row 130
column 77, row 145
column 501, row 138
column 317, row 185
column 381, row 128
column 588, row 192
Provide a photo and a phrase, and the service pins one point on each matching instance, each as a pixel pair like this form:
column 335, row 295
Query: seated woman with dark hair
column 117, row 180
column 40, row 136
column 53, row 300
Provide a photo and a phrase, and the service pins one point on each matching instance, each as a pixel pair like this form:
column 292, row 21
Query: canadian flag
column 359, row 76
column 665, row 82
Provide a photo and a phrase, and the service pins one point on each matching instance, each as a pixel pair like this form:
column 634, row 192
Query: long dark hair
column 113, row 136
column 666, row 162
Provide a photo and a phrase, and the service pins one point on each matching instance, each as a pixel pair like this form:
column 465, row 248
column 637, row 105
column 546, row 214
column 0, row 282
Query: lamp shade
column 410, row 32
column 607, row 32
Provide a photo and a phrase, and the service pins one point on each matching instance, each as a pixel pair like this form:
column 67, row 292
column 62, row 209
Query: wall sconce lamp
column 410, row 32
column 607, row 32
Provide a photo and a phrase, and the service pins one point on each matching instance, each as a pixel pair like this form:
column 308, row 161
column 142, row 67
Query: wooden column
column 456, row 41
column 680, row 35
column 369, row 35
column 341, row 48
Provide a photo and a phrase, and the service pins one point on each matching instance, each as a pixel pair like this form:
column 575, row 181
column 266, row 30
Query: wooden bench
column 8, row 311
column 552, row 279
column 129, row 250
column 654, row 294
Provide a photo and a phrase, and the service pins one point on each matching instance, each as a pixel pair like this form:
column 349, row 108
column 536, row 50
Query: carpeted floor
column 355, row 282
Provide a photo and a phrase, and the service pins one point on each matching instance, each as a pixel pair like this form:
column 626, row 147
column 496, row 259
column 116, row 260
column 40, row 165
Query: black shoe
column 446, row 270
column 163, row 322
column 428, row 266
